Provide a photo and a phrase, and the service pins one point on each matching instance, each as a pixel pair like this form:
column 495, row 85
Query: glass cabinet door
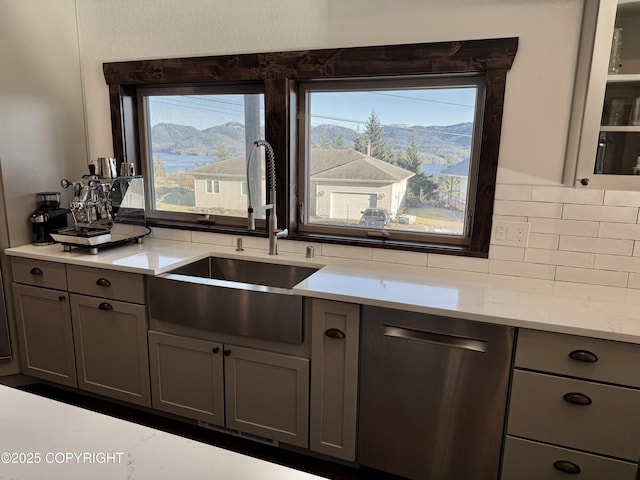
column 618, row 150
column 606, row 112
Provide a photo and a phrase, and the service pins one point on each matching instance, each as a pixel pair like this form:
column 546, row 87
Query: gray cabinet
column 45, row 335
column 187, row 377
column 335, row 339
column 604, row 139
column 267, row 394
column 530, row 460
column 574, row 409
column 245, row 389
column 110, row 333
column 111, row 349
column 44, row 320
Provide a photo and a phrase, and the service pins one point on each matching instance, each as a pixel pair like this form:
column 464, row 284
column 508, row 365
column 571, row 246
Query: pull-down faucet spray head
column 274, row 233
column 271, row 168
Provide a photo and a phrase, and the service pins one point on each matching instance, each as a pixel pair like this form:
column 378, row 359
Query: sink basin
column 249, row 272
column 240, row 297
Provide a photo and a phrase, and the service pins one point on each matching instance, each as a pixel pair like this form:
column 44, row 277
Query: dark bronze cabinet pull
column 36, row 271
column 567, row 467
column 105, row 306
column 227, row 353
column 62, row 298
column 334, row 333
column 215, row 350
column 103, row 282
column 584, row 356
column 577, row 398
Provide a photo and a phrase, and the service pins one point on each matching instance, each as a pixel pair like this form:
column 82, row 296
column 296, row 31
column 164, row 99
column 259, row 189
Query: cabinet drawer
column 540, row 410
column 128, row 287
column 615, row 362
column 527, row 460
column 39, row 273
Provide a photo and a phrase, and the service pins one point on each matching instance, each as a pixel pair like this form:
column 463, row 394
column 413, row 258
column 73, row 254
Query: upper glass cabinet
column 604, row 136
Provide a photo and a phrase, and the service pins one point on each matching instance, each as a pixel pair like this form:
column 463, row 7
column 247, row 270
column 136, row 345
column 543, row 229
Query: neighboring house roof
column 326, row 164
column 344, row 163
column 460, row 169
column 433, row 169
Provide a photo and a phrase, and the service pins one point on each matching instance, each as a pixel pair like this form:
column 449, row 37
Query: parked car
column 375, row 218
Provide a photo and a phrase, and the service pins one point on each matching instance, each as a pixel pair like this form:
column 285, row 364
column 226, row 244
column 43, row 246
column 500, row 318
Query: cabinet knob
column 215, row 350
column 567, row 467
column 334, row 333
column 584, row 181
column 62, row 298
column 105, row 306
column 36, row 271
column 577, row 398
column 584, row 356
column 103, row 282
column 227, row 353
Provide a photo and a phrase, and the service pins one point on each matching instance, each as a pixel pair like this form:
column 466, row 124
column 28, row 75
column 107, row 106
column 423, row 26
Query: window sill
column 330, row 239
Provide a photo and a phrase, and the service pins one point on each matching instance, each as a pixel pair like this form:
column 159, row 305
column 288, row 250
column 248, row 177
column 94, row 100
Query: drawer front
column 128, row 287
column 540, row 410
column 527, row 460
column 39, row 273
column 582, row 357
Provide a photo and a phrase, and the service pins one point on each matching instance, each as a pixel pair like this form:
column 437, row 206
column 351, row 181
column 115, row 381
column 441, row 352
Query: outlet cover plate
column 510, row 234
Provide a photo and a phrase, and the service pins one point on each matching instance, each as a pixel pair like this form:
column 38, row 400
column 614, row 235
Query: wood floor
column 269, row 453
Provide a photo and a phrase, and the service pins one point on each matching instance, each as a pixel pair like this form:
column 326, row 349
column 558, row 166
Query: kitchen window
column 390, row 158
column 417, row 190
column 194, row 142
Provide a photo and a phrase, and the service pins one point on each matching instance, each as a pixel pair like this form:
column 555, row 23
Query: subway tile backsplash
column 594, row 240
column 576, row 235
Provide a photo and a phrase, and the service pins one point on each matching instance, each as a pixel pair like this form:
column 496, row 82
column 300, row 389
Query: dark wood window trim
column 280, row 71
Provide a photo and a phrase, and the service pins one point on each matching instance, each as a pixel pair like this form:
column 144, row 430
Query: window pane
column 395, row 159
column 198, row 148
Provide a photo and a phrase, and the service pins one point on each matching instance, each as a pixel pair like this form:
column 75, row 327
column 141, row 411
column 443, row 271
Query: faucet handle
column 251, row 219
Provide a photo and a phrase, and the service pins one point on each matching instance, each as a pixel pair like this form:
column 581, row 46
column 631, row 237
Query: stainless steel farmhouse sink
column 235, row 296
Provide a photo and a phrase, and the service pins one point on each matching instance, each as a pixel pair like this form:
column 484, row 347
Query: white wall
column 539, row 85
column 42, row 135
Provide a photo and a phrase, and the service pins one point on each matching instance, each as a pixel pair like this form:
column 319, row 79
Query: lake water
column 174, row 162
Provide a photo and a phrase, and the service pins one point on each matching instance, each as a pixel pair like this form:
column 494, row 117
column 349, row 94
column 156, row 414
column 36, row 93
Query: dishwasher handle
column 472, row 344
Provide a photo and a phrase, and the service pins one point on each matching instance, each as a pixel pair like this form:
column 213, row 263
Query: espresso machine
column 48, row 218
column 107, row 210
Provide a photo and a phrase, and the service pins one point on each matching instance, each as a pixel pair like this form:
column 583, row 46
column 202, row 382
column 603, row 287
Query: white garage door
column 347, row 206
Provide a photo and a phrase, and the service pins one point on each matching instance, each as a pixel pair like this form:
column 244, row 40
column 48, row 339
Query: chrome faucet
column 274, row 232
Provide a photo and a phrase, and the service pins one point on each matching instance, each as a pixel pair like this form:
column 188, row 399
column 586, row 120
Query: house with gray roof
column 342, row 183
column 457, row 194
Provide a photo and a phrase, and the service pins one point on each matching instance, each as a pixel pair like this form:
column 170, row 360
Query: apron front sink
column 239, row 297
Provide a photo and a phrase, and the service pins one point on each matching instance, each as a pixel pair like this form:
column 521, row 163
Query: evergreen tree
column 222, row 151
column 337, row 141
column 420, row 186
column 324, row 139
column 371, row 141
column 159, row 169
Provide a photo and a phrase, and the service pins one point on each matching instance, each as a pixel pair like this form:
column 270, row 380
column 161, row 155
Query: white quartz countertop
column 596, row 311
column 43, row 439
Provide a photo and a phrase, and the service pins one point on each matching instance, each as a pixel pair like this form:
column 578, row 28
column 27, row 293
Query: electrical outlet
column 512, row 234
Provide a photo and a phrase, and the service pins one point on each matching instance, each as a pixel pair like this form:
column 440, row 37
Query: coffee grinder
column 47, row 218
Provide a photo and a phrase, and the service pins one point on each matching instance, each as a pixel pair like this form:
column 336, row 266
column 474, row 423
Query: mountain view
column 448, row 144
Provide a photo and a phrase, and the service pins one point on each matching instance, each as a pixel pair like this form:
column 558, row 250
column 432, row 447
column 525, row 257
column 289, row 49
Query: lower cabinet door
column 335, row 336
column 187, row 377
column 267, row 394
column 528, row 460
column 111, row 348
column 44, row 331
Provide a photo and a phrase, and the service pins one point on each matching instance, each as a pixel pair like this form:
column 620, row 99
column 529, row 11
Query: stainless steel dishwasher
column 433, row 395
